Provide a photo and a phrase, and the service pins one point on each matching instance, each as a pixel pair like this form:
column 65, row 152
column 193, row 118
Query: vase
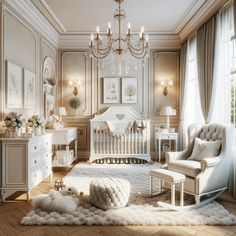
column 16, row 133
column 37, row 131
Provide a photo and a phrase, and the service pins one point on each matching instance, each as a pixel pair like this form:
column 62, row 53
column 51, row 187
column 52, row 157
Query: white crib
column 120, row 132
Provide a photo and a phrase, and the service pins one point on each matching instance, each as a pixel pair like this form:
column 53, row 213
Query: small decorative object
column 74, row 103
column 63, row 202
column 37, row 123
column 14, row 122
column 54, row 122
column 59, row 185
column 129, row 90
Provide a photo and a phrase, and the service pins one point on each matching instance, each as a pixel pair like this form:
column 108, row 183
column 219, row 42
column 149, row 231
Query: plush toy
column 64, row 201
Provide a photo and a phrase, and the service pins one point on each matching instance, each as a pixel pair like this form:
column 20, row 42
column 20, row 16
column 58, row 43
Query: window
column 233, row 84
column 224, row 97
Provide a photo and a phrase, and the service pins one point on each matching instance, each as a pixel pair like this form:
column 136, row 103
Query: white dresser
column 25, row 162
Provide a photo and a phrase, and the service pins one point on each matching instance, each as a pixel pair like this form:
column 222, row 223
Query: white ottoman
column 109, row 193
column 171, row 177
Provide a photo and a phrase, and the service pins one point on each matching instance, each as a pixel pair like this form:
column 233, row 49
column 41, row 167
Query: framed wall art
column 49, row 105
column 129, row 90
column 111, row 90
column 29, row 89
column 14, row 91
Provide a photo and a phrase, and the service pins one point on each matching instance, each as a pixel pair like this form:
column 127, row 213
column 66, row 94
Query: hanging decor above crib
column 120, row 132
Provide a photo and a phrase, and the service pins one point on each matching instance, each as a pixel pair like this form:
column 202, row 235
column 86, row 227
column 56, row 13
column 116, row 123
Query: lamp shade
column 62, row 111
column 167, row 111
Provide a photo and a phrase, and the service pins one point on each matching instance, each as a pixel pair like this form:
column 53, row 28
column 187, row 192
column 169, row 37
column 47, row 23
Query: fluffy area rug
column 142, row 209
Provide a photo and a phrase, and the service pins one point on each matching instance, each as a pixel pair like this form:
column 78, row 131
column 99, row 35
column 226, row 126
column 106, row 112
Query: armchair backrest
column 212, row 132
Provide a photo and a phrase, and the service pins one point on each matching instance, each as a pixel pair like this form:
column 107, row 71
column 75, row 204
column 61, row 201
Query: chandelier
column 121, row 44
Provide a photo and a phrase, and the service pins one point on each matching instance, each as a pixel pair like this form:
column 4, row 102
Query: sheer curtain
column 183, row 60
column 192, row 111
column 223, row 78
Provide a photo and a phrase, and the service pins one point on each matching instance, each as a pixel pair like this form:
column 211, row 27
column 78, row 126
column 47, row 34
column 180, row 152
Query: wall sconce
column 166, row 85
column 76, row 85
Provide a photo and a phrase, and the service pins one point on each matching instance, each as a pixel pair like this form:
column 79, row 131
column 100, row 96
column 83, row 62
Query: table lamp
column 167, row 111
column 61, row 112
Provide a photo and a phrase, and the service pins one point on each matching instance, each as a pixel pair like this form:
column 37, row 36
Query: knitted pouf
column 109, row 193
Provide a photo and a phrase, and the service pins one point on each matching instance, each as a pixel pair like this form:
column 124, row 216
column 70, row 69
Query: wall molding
column 27, row 10
column 83, row 54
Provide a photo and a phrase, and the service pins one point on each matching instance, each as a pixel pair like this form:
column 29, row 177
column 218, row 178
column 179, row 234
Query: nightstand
column 165, row 136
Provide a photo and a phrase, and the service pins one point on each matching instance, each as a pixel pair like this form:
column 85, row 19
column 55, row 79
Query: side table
column 165, row 136
column 64, row 136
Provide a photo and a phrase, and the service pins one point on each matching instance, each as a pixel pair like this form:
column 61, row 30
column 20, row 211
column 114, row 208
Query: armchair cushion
column 203, row 149
column 187, row 167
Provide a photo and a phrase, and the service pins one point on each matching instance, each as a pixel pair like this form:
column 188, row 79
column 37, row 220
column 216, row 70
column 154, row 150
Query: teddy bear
column 63, row 201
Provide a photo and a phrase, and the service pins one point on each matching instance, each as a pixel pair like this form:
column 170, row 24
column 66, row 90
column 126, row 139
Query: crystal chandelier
column 121, row 44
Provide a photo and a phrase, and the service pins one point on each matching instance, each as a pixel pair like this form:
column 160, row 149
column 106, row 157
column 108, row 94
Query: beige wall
column 76, row 65
column 24, row 46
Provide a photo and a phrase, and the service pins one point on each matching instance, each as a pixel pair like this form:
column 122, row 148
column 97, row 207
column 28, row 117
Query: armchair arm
column 209, row 162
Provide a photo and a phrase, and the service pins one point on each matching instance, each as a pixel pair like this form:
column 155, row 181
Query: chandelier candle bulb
column 97, row 29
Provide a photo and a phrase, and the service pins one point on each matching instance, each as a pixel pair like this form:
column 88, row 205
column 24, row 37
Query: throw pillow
column 203, row 149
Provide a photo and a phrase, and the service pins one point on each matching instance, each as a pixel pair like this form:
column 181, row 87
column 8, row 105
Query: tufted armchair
column 210, row 174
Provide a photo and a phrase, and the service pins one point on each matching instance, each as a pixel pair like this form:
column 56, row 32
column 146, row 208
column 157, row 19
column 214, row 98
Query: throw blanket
column 119, row 128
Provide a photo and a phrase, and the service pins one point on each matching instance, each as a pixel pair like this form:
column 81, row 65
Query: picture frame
column 49, row 104
column 111, row 90
column 14, row 85
column 129, row 90
column 29, row 89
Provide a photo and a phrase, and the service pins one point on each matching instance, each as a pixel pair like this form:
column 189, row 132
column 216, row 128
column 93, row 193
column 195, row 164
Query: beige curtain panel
column 205, row 62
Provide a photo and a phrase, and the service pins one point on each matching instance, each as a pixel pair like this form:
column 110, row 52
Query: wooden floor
column 12, row 212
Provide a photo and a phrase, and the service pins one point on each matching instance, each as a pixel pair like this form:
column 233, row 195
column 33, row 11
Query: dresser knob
column 35, row 147
column 35, row 162
column 35, row 175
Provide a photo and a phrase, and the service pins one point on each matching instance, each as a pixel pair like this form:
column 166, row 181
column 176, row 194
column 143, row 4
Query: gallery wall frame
column 111, row 90
column 129, row 90
column 14, row 85
column 29, row 89
column 49, row 104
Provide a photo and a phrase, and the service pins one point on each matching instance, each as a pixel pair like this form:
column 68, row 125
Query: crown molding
column 161, row 41
column 188, row 14
column 207, row 9
column 49, row 14
column 27, row 10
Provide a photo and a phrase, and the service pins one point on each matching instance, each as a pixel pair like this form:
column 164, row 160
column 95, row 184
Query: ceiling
column 82, row 16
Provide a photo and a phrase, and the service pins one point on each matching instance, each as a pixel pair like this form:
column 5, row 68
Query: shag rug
column 142, row 209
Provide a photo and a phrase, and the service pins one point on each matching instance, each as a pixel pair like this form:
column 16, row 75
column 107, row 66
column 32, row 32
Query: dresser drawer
column 47, row 144
column 46, row 156
column 166, row 136
column 34, row 160
column 36, row 175
column 35, row 147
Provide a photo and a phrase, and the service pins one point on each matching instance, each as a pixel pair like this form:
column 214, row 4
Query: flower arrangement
column 36, row 121
column 14, row 120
